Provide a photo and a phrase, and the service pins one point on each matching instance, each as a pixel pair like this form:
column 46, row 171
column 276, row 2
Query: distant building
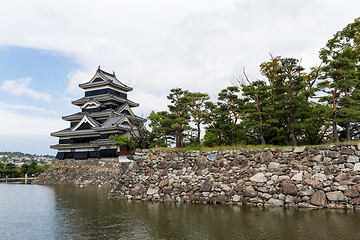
column 105, row 111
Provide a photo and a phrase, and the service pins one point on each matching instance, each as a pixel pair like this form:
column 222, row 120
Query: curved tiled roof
column 104, row 97
column 107, row 78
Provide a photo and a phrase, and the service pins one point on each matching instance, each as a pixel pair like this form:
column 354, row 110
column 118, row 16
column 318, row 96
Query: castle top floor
column 102, row 80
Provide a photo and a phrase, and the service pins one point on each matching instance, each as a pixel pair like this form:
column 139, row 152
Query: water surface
column 71, row 212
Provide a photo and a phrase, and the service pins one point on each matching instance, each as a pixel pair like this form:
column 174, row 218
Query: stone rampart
column 81, row 172
column 311, row 177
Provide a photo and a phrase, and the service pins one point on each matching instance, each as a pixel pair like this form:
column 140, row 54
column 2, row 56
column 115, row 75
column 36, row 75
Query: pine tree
column 179, row 114
column 289, row 100
column 196, row 104
column 230, row 106
column 257, row 108
column 212, row 122
column 341, row 76
column 338, row 82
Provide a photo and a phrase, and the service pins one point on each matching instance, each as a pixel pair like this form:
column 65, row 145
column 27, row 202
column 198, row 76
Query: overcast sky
column 48, row 47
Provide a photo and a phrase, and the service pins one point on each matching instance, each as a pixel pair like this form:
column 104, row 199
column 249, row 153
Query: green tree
column 178, row 117
column 289, row 98
column 160, row 128
column 317, row 125
column 342, row 58
column 258, row 109
column 141, row 137
column 24, row 168
column 2, row 165
column 212, row 121
column 196, row 101
column 10, row 170
column 121, row 140
column 32, row 169
column 230, row 106
column 338, row 82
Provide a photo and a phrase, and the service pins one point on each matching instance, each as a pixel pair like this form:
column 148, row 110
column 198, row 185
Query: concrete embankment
column 311, row 177
column 81, row 172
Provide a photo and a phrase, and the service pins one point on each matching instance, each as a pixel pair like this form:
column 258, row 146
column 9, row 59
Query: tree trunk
column 347, row 129
column 286, row 141
column 178, row 141
column 335, row 132
column 262, row 140
column 293, row 137
column 198, row 134
column 292, row 130
column 233, row 137
column 217, row 138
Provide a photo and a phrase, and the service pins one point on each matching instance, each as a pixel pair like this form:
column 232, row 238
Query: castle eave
column 68, row 132
column 99, row 84
column 104, row 98
column 93, row 144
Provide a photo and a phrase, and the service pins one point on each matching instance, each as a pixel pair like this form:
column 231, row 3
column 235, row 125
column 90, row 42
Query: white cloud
column 197, row 45
column 25, row 107
column 148, row 102
column 75, row 78
column 20, row 87
column 20, row 125
column 19, row 132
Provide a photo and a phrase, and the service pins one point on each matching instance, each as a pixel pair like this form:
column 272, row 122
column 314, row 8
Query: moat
column 73, row 212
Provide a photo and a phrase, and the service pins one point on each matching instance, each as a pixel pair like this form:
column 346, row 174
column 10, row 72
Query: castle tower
column 105, row 111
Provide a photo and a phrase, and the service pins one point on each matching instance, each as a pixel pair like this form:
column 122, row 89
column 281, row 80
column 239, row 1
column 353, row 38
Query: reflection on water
column 70, row 212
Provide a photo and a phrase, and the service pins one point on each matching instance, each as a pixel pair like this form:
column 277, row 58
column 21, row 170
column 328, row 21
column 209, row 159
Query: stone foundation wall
column 81, row 172
column 312, row 177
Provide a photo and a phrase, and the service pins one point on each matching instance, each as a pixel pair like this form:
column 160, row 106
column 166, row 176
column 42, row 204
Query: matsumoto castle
column 105, row 111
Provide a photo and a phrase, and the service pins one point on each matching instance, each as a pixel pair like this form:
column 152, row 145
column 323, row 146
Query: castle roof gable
column 104, row 78
column 86, row 119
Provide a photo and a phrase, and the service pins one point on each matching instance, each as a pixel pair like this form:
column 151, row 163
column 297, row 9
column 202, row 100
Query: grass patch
column 239, row 147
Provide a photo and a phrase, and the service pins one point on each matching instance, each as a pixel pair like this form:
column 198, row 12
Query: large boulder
column 152, row 191
column 337, row 196
column 266, row 157
column 357, row 167
column 178, row 166
column 201, row 161
column 259, row 177
column 320, row 177
column 347, row 151
column 352, row 159
column 287, row 149
column 299, row 149
column 212, row 157
column 318, row 198
column 351, row 194
column 206, row 188
column 275, row 202
column 274, row 165
column 250, row 192
column 318, row 158
column 342, row 177
column 236, row 198
column 221, row 163
column 333, row 154
column 133, row 166
column 289, row 189
column 163, row 165
column 297, row 177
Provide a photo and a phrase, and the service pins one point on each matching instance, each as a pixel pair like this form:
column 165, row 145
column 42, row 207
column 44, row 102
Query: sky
column 48, row 47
